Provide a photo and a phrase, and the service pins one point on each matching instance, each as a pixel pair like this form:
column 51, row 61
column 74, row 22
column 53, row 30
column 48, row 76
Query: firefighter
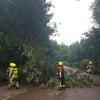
column 60, row 75
column 89, row 70
column 13, row 75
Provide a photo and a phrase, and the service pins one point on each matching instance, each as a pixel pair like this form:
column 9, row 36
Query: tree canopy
column 24, row 36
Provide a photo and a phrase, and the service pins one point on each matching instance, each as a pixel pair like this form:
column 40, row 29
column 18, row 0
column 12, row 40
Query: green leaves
column 38, row 63
column 24, row 37
column 96, row 11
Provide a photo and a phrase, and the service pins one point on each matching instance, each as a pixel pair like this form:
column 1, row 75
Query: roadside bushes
column 96, row 71
column 72, row 79
column 39, row 66
column 53, row 83
column 77, row 79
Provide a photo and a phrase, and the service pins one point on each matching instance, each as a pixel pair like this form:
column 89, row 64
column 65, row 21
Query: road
column 68, row 94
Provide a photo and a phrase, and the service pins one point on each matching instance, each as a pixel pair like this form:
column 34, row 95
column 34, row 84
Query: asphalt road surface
column 68, row 94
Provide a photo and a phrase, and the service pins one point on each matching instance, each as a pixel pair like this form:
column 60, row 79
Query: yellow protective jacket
column 13, row 72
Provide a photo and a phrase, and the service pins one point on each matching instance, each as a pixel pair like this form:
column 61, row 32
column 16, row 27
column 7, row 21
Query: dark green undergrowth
column 72, row 80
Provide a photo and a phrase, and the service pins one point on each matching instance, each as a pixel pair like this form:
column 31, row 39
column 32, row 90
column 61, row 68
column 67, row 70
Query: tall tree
column 96, row 11
column 25, row 34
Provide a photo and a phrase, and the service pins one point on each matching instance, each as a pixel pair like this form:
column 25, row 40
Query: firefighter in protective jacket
column 60, row 74
column 13, row 75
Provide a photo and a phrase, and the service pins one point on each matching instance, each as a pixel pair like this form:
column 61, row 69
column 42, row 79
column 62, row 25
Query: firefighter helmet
column 12, row 65
column 60, row 63
column 90, row 62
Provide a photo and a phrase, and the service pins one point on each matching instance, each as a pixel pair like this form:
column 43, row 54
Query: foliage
column 53, row 83
column 72, row 79
column 96, row 71
column 96, row 11
column 38, row 64
column 24, row 38
column 77, row 79
column 75, row 52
